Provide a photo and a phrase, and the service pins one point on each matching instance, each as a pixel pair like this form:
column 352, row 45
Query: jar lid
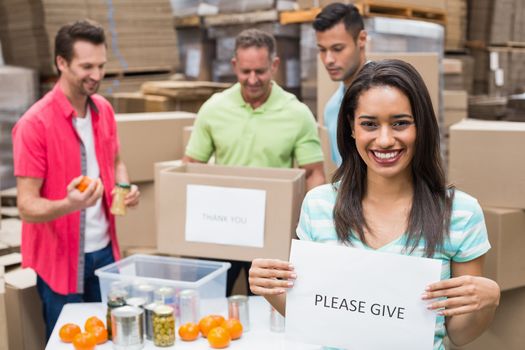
column 163, row 310
column 123, row 185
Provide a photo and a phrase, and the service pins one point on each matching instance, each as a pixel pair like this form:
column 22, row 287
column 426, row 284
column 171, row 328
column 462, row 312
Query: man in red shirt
column 70, row 132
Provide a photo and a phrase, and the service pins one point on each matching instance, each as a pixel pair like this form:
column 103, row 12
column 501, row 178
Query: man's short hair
column 67, row 35
column 336, row 13
column 256, row 38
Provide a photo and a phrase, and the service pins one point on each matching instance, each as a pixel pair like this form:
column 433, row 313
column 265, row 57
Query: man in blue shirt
column 341, row 40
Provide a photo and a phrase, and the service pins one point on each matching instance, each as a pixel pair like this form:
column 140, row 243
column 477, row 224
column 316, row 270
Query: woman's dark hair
column 336, row 13
column 429, row 216
column 67, row 35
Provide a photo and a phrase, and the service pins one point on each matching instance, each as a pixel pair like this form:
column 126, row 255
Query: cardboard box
column 505, row 262
column 147, row 138
column 486, row 160
column 284, row 190
column 506, row 330
column 186, row 134
column 137, row 228
column 3, row 315
column 427, row 64
column 25, row 324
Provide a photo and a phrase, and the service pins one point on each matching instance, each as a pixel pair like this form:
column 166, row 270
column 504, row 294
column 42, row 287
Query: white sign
column 358, row 299
column 225, row 215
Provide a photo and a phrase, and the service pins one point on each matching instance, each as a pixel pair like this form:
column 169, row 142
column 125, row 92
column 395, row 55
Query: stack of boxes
column 18, row 91
column 486, row 161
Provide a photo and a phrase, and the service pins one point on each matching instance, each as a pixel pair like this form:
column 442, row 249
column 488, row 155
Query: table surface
column 258, row 337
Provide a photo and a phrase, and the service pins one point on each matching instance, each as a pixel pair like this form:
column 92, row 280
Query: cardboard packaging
column 506, row 330
column 285, row 189
column 504, row 262
column 486, row 160
column 455, row 104
column 3, row 315
column 25, row 324
column 147, row 138
column 137, row 228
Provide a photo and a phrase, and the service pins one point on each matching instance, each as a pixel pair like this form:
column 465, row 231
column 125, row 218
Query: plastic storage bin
column 208, row 277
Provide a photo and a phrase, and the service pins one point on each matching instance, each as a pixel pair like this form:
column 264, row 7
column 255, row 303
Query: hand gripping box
column 227, row 212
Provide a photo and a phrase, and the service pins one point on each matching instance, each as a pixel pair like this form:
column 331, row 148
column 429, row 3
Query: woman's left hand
column 465, row 294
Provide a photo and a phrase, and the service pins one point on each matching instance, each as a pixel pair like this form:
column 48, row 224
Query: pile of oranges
column 220, row 332
column 95, row 333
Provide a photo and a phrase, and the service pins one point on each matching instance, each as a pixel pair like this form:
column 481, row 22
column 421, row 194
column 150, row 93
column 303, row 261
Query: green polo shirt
column 270, row 136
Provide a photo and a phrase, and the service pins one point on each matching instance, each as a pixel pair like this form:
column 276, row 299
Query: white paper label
column 225, row 215
column 494, row 60
column 193, row 62
column 358, row 299
column 499, row 77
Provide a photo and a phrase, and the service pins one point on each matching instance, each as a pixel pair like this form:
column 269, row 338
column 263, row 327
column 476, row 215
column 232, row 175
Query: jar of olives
column 163, row 326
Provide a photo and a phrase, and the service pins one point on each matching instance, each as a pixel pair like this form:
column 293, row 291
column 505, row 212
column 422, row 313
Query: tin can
column 127, row 324
column 148, row 319
column 238, row 308
column 163, row 326
column 116, row 299
column 118, row 207
column 136, row 301
column 144, row 290
column 189, row 306
column 277, row 321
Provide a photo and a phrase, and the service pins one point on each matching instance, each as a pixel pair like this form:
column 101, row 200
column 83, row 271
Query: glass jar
column 116, row 299
column 118, row 207
column 163, row 326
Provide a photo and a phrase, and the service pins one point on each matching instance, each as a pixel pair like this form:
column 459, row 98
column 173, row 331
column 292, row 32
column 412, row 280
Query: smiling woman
column 390, row 195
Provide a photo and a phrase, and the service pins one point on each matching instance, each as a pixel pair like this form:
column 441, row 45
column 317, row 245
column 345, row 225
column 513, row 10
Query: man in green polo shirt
column 255, row 122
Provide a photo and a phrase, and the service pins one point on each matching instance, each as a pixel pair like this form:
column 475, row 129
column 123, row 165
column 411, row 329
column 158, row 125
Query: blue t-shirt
column 331, row 112
column 467, row 240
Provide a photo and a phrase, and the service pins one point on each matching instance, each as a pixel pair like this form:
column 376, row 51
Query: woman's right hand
column 271, row 276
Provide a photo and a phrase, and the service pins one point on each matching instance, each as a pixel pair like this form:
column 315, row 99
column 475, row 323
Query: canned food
column 122, row 286
column 127, row 324
column 118, row 207
column 148, row 319
column 189, row 306
column 116, row 299
column 136, row 301
column 238, row 308
column 163, row 326
column 167, row 296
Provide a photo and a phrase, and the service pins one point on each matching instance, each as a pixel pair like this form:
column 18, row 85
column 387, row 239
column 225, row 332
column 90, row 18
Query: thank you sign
column 225, row 215
column 358, row 299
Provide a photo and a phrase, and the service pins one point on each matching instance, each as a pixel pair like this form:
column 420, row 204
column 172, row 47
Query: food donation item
column 118, row 207
column 163, row 326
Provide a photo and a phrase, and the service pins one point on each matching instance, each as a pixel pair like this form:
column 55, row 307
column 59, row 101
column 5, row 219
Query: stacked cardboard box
column 458, row 72
column 187, row 8
column 139, row 34
column 196, row 52
column 500, row 71
column 456, row 26
column 496, row 22
column 164, row 132
column 486, row 162
column 18, row 91
column 428, row 4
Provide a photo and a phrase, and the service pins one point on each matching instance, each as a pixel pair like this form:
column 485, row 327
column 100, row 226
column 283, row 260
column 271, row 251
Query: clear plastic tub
column 208, row 277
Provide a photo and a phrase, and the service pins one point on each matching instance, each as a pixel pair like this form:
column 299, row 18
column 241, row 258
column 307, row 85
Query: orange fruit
column 219, row 338
column 84, row 341
column 234, row 327
column 84, row 183
column 208, row 322
column 93, row 322
column 68, row 331
column 100, row 333
column 189, row 331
